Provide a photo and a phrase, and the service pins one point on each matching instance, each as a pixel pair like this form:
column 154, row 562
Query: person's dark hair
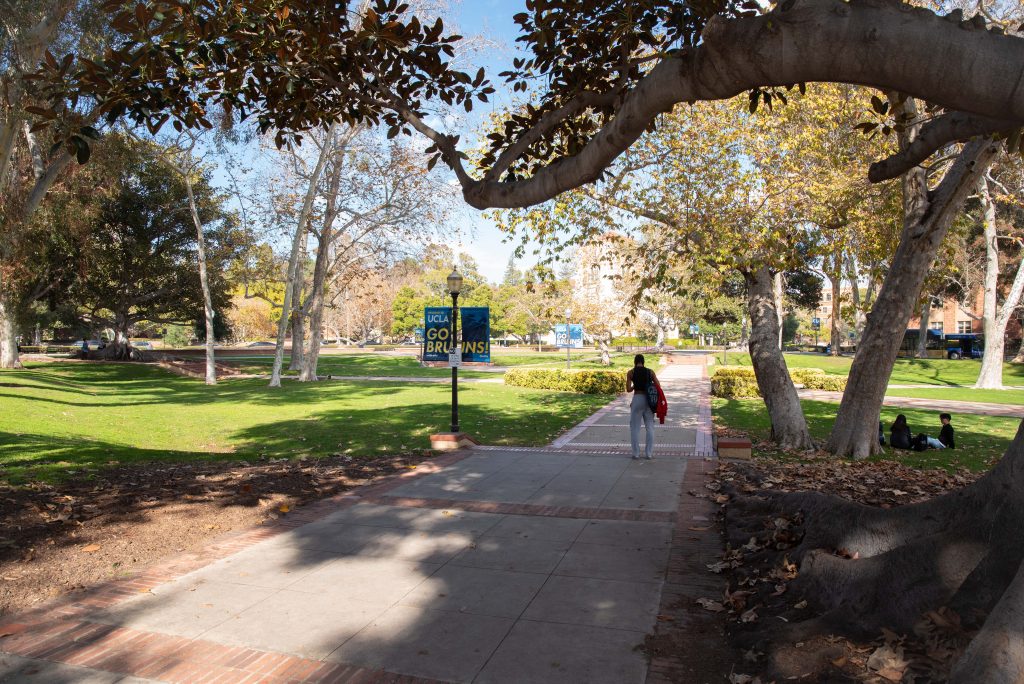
column 946, row 416
column 901, row 421
column 638, row 360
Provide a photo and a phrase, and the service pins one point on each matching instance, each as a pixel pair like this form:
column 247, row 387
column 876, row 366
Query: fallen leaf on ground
column 284, row 508
column 709, row 604
column 91, row 548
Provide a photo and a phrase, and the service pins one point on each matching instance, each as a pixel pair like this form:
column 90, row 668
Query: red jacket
column 662, row 410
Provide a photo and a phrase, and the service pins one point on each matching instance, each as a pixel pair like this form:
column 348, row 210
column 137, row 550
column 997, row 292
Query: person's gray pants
column 640, row 410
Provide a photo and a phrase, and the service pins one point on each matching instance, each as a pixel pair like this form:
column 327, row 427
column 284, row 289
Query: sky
column 491, row 19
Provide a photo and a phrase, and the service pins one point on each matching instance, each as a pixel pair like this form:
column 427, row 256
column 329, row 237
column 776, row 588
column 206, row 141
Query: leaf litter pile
column 104, row 524
column 759, row 572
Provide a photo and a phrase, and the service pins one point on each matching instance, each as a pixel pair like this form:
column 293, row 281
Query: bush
column 583, row 381
column 805, row 375
column 734, row 372
column 734, row 387
column 383, row 347
column 739, row 382
column 829, row 383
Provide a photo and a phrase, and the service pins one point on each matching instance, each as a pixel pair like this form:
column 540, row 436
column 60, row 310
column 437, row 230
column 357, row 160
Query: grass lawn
column 980, row 440
column 905, row 372
column 1015, row 397
column 384, row 365
column 61, row 417
column 374, row 364
column 584, row 358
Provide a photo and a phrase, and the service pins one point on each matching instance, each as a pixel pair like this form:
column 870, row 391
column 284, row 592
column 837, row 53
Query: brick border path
column 58, row 631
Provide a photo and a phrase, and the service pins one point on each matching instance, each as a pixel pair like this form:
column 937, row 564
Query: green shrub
column 734, row 386
column 383, row 347
column 734, row 372
column 583, row 381
column 805, row 375
column 738, row 382
column 829, row 383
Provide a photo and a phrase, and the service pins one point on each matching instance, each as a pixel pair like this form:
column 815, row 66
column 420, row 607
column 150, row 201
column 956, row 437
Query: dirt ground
column 58, row 539
column 757, row 605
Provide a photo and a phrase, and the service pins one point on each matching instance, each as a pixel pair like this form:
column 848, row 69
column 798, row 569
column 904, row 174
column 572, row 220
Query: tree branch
column 933, row 136
column 860, row 39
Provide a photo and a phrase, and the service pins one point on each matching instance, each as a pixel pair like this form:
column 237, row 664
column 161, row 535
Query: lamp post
column 454, row 287
column 568, row 341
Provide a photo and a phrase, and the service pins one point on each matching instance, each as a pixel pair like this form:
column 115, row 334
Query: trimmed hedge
column 803, row 375
column 734, row 382
column 739, row 382
column 829, row 383
column 583, row 381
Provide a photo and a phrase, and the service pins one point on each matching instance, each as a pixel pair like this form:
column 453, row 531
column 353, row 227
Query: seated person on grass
column 899, row 433
column 945, row 440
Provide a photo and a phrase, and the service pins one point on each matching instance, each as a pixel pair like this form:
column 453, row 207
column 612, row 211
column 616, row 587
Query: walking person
column 637, row 381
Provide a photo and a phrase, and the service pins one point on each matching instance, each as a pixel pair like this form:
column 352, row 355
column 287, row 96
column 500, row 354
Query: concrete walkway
column 488, row 565
column 938, row 405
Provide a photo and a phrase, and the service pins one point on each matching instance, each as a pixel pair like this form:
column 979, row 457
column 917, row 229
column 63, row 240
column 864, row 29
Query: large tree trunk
column 922, row 328
column 204, row 281
column 9, row 357
column 315, row 308
column 298, row 314
column 858, row 307
column 778, row 289
column 835, row 279
column 119, row 348
column 603, row 343
column 927, row 217
column 293, row 263
column 995, row 318
column 962, row 550
column 789, row 428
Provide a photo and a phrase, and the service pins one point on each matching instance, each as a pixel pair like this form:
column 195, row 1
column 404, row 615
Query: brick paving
column 483, row 565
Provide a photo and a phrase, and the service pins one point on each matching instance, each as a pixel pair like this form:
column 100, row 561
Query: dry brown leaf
column 710, row 604
column 284, row 508
column 91, row 548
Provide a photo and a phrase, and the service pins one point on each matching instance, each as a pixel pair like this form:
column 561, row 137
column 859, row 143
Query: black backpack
column 652, row 391
column 919, row 443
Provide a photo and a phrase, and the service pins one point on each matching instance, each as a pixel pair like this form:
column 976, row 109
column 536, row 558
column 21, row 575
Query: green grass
column 378, row 364
column 980, row 440
column 587, row 358
column 905, row 372
column 1014, row 397
column 57, row 420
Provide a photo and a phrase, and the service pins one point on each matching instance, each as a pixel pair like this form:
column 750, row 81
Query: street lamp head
column 454, row 282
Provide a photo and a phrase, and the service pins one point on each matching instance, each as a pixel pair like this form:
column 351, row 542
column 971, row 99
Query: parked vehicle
column 965, row 346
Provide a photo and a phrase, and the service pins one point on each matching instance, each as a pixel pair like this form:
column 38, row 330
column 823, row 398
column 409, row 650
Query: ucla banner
column 437, row 338
column 476, row 334
column 475, row 329
column 573, row 339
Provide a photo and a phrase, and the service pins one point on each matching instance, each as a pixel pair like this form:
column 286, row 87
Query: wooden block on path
column 449, row 441
column 735, row 447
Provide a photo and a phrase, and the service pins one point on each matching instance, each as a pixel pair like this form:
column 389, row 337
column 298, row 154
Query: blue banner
column 574, row 339
column 437, row 340
column 474, row 329
column 475, row 322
